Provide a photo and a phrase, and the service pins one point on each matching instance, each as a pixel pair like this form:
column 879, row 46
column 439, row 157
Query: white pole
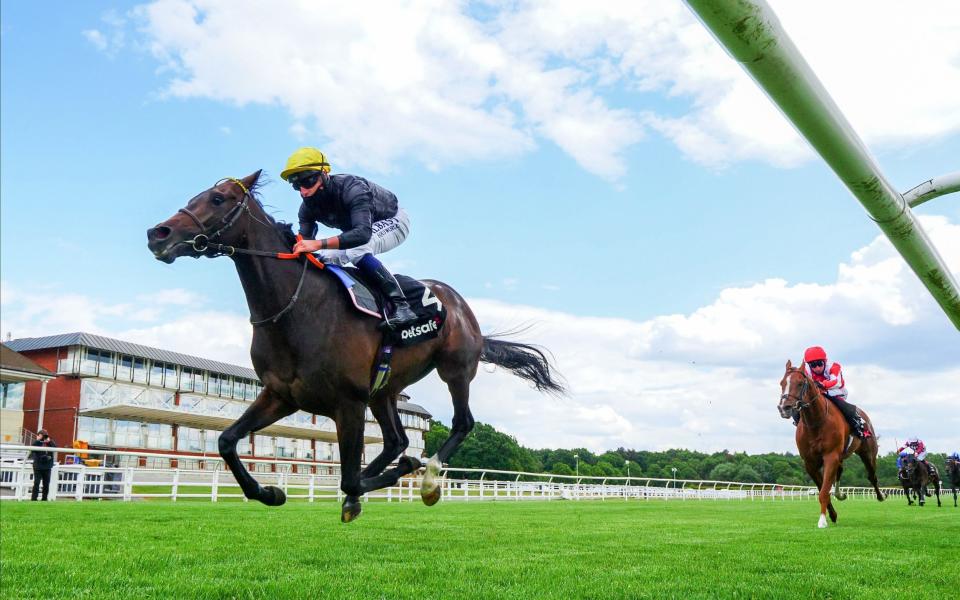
column 43, row 401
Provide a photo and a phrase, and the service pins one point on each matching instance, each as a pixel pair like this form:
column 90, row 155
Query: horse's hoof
column 409, row 464
column 822, row 523
column 430, row 488
column 272, row 496
column 350, row 511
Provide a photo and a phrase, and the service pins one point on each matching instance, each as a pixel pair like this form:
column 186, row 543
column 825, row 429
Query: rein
column 202, row 242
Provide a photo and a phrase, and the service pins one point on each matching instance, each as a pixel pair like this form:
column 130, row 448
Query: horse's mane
column 284, row 229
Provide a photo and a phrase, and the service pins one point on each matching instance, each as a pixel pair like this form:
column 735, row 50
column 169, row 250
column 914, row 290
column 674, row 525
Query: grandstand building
column 114, row 394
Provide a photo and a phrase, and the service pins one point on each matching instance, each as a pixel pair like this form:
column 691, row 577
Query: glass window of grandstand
column 159, row 436
column 12, row 395
column 124, row 368
column 170, row 376
column 93, row 430
column 127, row 434
column 285, row 448
column 226, row 386
column 213, row 387
column 264, row 445
column 139, row 370
column 251, row 391
column 97, row 362
column 189, row 439
column 186, row 379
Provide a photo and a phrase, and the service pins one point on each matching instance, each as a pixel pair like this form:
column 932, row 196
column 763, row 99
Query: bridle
column 798, row 402
column 202, row 242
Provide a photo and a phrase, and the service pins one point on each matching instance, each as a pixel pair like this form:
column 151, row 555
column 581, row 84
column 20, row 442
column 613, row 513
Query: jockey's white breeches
column 387, row 235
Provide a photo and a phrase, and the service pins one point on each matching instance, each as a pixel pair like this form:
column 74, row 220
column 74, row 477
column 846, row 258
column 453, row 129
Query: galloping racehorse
column 317, row 354
column 915, row 476
column 822, row 438
column 953, row 476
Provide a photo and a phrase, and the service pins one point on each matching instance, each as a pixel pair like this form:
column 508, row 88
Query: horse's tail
column 523, row 360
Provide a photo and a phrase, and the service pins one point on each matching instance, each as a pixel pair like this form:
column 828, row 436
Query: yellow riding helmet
column 305, row 159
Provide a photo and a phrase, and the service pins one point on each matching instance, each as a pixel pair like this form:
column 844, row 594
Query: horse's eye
column 217, row 200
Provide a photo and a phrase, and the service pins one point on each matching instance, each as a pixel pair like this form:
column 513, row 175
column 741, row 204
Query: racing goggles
column 304, row 179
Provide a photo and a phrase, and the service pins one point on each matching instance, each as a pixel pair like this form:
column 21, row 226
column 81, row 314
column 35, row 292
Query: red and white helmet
column 814, row 353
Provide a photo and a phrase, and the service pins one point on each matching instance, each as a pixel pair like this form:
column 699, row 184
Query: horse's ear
column 789, row 364
column 251, row 180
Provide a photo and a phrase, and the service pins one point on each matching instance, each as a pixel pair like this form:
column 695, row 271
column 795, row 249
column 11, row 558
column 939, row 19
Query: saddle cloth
column 430, row 311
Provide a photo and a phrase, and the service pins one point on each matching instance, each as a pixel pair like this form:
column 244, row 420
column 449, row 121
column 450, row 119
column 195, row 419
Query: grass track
column 611, row 549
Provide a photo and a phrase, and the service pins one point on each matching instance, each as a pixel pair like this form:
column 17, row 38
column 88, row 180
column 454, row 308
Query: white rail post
column 81, row 474
column 310, row 484
column 176, row 485
column 128, row 483
column 754, row 37
column 215, row 485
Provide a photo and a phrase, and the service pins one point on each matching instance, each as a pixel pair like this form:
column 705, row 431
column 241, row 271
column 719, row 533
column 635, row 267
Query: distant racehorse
column 822, row 436
column 317, row 355
column 916, row 475
column 953, row 476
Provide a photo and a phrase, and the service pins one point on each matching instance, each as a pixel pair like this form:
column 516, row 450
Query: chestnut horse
column 822, row 438
column 317, row 354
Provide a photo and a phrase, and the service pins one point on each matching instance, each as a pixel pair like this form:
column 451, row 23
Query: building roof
column 11, row 360
column 100, row 342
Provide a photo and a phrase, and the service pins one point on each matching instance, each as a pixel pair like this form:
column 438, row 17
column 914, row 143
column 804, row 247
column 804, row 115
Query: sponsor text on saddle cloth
column 429, row 310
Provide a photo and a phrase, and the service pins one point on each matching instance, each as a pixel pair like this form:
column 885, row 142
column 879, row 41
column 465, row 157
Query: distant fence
column 215, row 483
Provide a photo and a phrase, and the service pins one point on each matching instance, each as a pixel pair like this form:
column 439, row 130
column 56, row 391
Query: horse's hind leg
column 836, row 486
column 350, row 425
column 459, row 387
column 266, row 409
column 868, row 455
column 395, row 441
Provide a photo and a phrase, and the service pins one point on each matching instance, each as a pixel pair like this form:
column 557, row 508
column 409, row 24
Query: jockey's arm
column 359, row 199
column 834, row 377
column 308, row 226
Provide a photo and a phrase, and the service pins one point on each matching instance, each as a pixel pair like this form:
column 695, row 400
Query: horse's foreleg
column 462, row 425
column 830, row 464
column 266, row 409
column 350, row 425
column 936, row 490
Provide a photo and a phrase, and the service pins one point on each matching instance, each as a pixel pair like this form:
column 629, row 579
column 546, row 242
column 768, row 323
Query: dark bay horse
column 915, row 476
column 953, row 476
column 313, row 352
column 822, row 438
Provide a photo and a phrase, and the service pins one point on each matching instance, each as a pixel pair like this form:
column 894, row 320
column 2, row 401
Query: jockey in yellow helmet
column 368, row 215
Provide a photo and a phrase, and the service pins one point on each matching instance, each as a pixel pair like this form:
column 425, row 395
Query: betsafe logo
column 418, row 330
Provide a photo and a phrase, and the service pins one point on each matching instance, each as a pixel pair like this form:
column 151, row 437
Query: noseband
column 798, row 402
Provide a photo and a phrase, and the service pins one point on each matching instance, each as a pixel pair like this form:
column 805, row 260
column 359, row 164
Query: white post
column 81, row 474
column 310, row 487
column 215, row 484
column 176, row 485
column 43, row 402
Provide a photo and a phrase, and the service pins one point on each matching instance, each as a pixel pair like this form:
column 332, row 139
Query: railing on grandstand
column 313, row 482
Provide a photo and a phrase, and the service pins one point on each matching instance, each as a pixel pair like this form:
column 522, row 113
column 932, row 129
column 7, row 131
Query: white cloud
column 707, row 380
column 429, row 80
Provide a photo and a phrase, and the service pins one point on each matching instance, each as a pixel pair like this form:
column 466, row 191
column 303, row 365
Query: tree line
column 487, row 448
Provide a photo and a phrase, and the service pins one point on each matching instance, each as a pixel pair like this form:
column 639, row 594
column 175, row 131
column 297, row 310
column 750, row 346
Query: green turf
column 561, row 549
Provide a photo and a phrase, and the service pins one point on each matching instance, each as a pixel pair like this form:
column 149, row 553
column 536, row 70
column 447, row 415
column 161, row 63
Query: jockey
column 915, row 446
column 830, row 380
column 955, row 457
column 369, row 216
column 902, row 453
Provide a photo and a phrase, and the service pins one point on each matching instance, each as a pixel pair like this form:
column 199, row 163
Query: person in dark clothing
column 42, row 464
column 369, row 216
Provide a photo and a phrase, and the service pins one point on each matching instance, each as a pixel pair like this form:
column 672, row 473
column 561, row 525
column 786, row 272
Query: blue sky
column 579, row 172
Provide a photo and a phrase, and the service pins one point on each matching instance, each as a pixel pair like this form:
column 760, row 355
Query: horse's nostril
column 160, row 232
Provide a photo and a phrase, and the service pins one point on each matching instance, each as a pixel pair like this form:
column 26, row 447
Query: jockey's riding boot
column 401, row 315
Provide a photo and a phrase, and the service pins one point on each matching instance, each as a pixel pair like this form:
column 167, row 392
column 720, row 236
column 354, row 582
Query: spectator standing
column 42, row 464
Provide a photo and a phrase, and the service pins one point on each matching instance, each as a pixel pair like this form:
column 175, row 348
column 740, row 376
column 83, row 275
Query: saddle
column 430, row 312
column 365, row 298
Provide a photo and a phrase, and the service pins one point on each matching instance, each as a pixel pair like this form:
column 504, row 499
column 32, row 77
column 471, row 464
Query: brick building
column 120, row 395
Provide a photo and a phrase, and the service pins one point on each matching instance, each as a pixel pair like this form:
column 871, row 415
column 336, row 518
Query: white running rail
column 214, row 483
